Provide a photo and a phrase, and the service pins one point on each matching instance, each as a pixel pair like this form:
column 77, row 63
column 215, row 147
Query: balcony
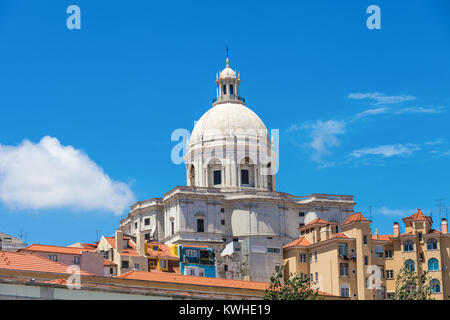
column 228, row 97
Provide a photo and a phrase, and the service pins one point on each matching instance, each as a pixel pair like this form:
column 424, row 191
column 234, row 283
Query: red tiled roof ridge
column 53, row 248
column 358, row 216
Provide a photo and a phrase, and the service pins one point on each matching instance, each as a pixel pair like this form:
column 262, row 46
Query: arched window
column 408, row 245
column 432, row 244
column 433, row 264
column 231, row 89
column 224, row 87
column 410, row 265
column 192, row 175
column 435, row 286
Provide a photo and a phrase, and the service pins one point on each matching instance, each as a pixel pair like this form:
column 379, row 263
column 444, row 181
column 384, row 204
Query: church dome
column 228, row 120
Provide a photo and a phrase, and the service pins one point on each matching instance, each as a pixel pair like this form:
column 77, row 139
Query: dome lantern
column 228, row 86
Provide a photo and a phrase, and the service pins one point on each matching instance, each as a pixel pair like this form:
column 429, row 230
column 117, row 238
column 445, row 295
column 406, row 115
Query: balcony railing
column 228, row 97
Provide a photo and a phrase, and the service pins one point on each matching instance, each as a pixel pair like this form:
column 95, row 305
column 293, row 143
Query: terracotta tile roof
column 54, row 249
column 125, row 252
column 300, row 242
column 340, row 235
column 418, row 216
column 108, row 263
column 383, row 237
column 162, row 252
column 434, row 231
column 317, row 221
column 355, row 217
column 32, row 262
column 193, row 280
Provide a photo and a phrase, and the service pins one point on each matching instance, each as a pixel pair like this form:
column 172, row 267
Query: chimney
column 444, row 226
column 140, row 244
column 376, row 233
column 119, row 240
column 396, row 229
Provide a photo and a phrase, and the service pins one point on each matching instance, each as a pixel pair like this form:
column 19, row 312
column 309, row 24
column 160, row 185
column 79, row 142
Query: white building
column 231, row 192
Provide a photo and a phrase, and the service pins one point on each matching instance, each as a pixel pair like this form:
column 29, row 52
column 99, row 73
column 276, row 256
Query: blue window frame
column 435, row 286
column 432, row 244
column 433, row 264
column 410, row 265
column 408, row 245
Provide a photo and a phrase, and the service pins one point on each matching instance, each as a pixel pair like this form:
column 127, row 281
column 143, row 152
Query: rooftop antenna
column 97, row 230
column 439, row 205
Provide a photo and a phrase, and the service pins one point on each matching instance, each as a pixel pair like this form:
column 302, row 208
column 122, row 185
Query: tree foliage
column 297, row 287
column 410, row 285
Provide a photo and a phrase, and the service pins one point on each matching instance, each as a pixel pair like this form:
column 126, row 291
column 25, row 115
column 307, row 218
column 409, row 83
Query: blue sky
column 361, row 112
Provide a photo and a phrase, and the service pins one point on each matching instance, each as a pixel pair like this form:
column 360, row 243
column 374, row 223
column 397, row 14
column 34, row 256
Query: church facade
column 230, row 202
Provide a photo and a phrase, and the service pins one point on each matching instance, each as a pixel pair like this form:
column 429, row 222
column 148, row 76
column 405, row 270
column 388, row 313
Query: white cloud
column 386, row 151
column 371, row 112
column 49, row 175
column 325, row 135
column 419, row 110
column 393, row 212
column 380, row 98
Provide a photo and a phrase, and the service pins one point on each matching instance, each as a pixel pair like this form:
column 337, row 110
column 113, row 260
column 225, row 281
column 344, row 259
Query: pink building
column 85, row 258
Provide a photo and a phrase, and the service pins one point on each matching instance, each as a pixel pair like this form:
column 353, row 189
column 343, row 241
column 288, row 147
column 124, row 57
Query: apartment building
column 85, row 258
column 349, row 261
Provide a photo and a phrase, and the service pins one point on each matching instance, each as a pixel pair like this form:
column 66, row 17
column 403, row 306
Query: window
column 105, row 255
column 135, row 225
column 200, row 225
column 231, row 89
column 172, row 227
column 277, row 268
column 432, row 244
column 222, row 210
column 310, row 257
column 435, row 286
column 53, row 257
column 273, row 250
column 217, row 177
column 225, row 267
column 302, row 257
column 421, row 257
column 224, row 89
column 163, row 263
column 365, row 239
column 420, row 236
column 136, row 266
column 301, row 225
column 389, row 274
column 433, row 264
column 389, row 254
column 301, row 214
column 343, row 269
column 244, row 177
column 147, row 237
column 111, row 270
column 317, row 277
column 222, row 222
column 147, row 221
column 311, row 278
column 410, row 265
column 343, row 250
column 408, row 245
column 125, row 264
column 155, row 248
column 345, row 290
column 315, row 256
column 191, row 253
column 379, row 251
column 366, row 260
column 76, row 260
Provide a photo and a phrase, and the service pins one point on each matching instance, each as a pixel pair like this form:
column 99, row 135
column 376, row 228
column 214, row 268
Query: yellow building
column 350, row 261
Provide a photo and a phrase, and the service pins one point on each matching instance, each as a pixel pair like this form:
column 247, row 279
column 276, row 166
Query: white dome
column 228, row 73
column 227, row 120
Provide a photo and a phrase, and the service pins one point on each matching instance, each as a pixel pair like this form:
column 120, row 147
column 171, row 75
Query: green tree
column 297, row 287
column 411, row 285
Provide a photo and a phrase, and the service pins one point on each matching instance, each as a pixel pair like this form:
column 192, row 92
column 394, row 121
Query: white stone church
column 230, row 199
